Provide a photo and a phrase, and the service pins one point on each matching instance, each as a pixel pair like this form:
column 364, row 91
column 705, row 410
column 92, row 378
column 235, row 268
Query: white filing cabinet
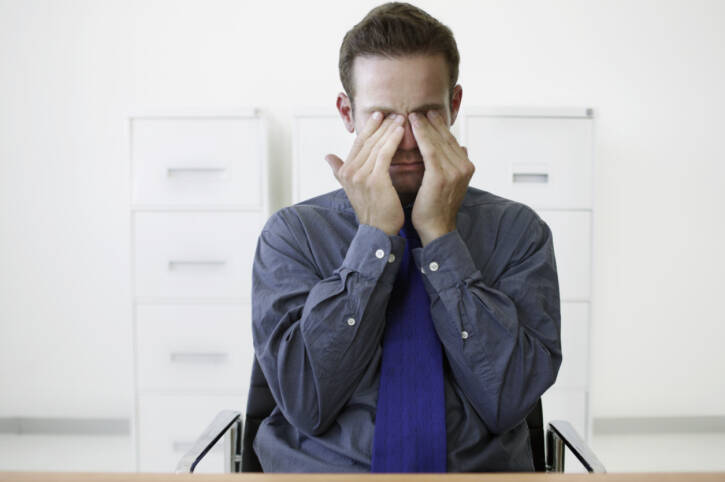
column 316, row 132
column 199, row 201
column 542, row 157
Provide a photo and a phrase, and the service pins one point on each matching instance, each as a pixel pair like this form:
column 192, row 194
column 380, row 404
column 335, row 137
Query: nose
column 408, row 142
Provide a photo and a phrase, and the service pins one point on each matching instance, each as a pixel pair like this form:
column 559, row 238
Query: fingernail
column 399, row 119
column 377, row 115
column 433, row 114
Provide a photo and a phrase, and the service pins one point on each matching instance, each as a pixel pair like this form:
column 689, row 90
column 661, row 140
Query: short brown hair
column 393, row 30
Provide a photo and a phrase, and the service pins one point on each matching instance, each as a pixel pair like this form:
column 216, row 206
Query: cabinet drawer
column 194, row 347
column 572, row 247
column 544, row 162
column 569, row 405
column 197, row 161
column 199, row 255
column 168, row 425
column 315, row 136
column 574, row 371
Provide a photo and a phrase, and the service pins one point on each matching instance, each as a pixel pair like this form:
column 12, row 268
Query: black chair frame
column 547, row 446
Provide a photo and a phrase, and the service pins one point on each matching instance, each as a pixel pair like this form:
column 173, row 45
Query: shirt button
column 351, row 321
column 379, row 254
column 391, row 258
column 464, row 334
column 433, row 266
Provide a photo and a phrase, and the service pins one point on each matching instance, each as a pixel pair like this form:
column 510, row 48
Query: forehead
column 400, row 84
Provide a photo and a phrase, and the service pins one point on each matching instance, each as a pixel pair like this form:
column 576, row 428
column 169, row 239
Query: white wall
column 70, row 71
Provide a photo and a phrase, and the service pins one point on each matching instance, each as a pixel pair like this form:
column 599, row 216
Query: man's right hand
column 365, row 174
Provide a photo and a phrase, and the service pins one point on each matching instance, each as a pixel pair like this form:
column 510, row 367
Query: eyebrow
column 386, row 110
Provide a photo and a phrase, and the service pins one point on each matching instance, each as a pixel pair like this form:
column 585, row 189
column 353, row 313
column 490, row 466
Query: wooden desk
column 252, row 477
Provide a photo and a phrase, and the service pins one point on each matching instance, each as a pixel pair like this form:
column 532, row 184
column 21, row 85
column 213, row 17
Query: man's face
column 403, row 85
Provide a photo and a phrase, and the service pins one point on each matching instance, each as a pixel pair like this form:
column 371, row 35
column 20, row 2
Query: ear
column 344, row 107
column 456, row 102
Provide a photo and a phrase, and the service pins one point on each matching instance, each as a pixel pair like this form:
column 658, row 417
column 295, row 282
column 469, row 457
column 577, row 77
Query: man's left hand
column 447, row 174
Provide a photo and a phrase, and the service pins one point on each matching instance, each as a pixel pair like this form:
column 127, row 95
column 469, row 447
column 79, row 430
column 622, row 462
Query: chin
column 407, row 187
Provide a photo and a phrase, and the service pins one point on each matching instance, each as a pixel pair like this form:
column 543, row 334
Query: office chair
column 547, row 446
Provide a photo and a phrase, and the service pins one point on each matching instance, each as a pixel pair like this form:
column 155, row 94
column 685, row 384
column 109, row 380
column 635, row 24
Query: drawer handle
column 530, row 172
column 170, row 171
column 198, row 357
column 211, row 263
column 531, row 177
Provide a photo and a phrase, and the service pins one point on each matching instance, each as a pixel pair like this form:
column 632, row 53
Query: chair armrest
column 224, row 420
column 560, row 433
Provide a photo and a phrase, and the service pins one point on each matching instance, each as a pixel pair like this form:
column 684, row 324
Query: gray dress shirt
column 321, row 284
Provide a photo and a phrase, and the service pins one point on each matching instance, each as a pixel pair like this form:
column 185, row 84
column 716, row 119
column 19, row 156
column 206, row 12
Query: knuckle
column 470, row 168
column 347, row 176
column 357, row 179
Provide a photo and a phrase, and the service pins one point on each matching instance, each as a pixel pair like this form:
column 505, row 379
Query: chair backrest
column 260, row 404
column 537, row 434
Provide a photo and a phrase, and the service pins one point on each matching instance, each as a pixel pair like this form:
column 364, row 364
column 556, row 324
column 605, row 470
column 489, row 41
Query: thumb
column 334, row 162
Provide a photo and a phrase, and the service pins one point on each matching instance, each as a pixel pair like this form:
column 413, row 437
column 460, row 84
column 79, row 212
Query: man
column 406, row 322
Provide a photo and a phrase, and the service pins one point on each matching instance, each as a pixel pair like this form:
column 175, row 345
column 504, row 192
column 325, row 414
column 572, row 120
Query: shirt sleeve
column 314, row 337
column 502, row 339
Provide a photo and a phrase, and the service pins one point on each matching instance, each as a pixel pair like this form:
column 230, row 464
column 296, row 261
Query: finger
column 439, row 124
column 369, row 143
column 449, row 144
column 381, row 141
column 449, row 155
column 335, row 164
column 388, row 148
column 370, row 127
column 423, row 133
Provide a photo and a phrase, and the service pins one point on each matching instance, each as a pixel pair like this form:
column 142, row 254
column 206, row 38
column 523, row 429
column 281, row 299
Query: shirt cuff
column 445, row 261
column 374, row 254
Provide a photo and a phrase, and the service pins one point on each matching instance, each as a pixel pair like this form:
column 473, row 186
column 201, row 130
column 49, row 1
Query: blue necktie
column 410, row 423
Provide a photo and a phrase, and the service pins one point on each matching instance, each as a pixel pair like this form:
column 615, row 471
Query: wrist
column 388, row 229
column 429, row 234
